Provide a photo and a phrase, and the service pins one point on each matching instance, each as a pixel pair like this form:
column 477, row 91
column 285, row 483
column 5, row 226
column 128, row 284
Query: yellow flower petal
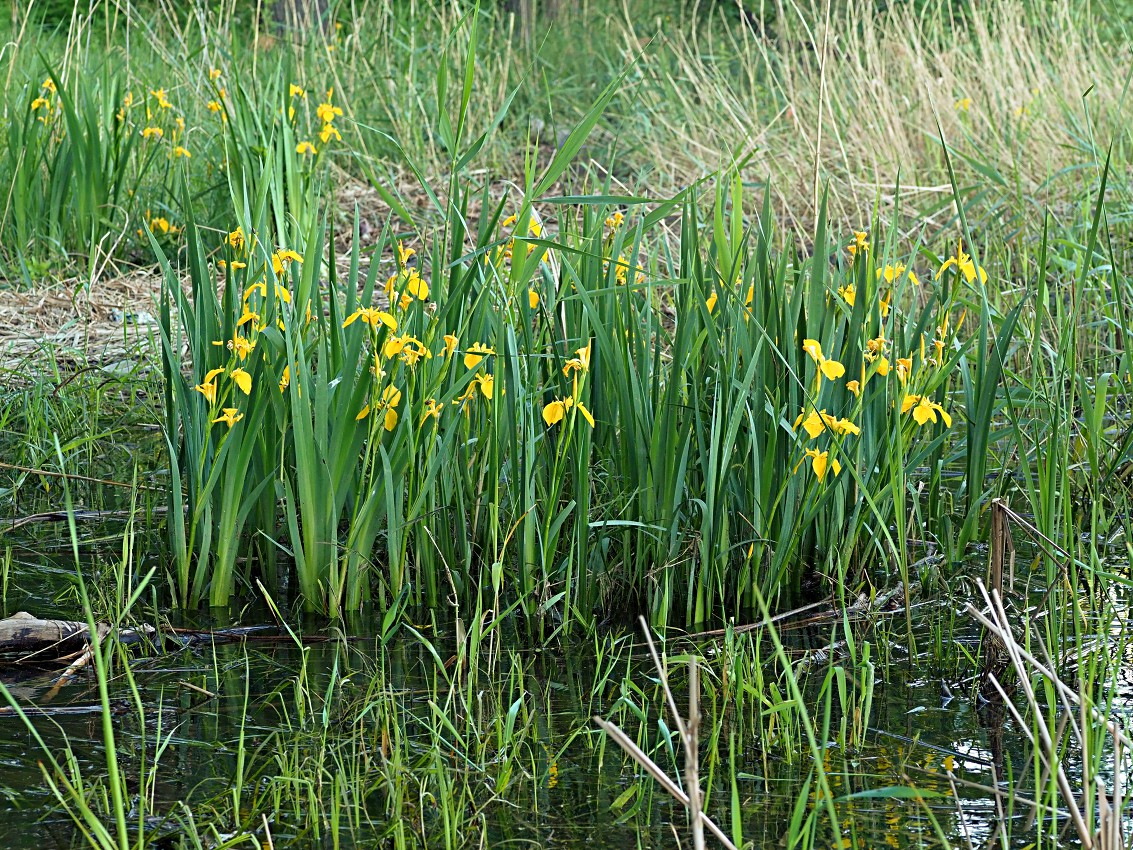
column 814, row 424
column 391, row 396
column 242, row 379
column 208, row 390
column 393, row 346
column 230, row 416
column 418, row 287
column 586, row 414
column 923, row 412
column 819, row 462
column 475, row 354
column 554, row 412
column 832, row 369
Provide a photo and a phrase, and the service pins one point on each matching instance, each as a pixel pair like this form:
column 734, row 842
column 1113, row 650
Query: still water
column 201, row 696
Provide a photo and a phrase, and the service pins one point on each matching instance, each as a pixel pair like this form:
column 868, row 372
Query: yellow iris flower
column 475, row 354
column 821, row 462
column 621, row 271
column 417, row 286
column 894, row 272
column 372, row 317
column 327, row 112
column 281, row 259
column 242, row 346
column 413, row 350
column 818, row 421
column 393, row 346
column 391, row 397
column 964, row 265
column 830, row 368
column 554, row 412
column 242, row 379
column 431, row 409
column 904, row 368
column 581, row 362
column 487, row 385
column 230, row 416
column 924, row 410
column 207, row 387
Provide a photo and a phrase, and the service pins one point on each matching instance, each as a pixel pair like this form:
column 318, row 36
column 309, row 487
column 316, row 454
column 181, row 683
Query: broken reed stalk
column 691, row 740
column 688, row 731
column 1110, row 833
column 1002, row 546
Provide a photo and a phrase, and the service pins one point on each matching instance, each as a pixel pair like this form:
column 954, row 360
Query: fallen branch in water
column 70, row 476
column 68, row 675
column 63, row 516
column 35, row 641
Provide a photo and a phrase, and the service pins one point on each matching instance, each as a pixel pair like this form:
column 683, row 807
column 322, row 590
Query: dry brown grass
column 866, row 118
column 112, row 321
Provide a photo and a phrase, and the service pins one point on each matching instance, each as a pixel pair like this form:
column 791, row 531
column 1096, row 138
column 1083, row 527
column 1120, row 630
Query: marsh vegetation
column 638, row 425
